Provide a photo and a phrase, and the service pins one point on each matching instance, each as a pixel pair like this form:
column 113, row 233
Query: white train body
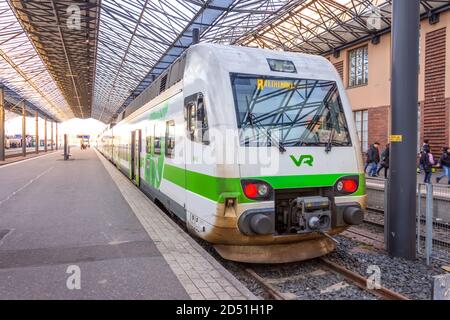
column 255, row 150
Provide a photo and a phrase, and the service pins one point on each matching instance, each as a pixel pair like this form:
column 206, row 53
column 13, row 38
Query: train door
column 196, row 142
column 135, row 156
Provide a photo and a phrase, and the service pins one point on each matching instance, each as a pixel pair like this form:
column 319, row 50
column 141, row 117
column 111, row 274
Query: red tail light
column 350, row 186
column 251, row 190
column 347, row 185
column 257, row 190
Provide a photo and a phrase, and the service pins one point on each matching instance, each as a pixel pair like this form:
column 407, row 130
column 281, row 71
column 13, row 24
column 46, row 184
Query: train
column 255, row 150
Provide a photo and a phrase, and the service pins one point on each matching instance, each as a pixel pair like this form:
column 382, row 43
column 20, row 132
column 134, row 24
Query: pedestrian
column 427, row 162
column 373, row 158
column 367, row 164
column 445, row 163
column 425, row 146
column 384, row 164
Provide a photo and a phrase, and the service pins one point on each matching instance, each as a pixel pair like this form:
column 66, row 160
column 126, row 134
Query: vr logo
column 304, row 159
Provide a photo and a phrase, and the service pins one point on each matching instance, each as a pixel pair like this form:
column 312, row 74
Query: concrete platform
column 82, row 212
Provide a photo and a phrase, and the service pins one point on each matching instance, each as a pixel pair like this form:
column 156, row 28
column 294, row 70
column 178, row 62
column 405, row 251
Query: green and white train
column 255, row 150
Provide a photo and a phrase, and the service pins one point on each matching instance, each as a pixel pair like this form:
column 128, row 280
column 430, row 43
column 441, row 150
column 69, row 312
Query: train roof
column 255, row 61
column 237, row 59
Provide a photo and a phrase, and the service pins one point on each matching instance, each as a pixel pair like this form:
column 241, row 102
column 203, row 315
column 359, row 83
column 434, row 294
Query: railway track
column 332, row 269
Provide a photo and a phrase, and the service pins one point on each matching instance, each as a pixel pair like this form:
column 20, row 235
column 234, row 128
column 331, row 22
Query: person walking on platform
column 373, row 158
column 367, row 163
column 445, row 163
column 427, row 162
column 425, row 146
column 384, row 164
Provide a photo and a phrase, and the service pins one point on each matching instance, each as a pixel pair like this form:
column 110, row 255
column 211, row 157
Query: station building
column 365, row 69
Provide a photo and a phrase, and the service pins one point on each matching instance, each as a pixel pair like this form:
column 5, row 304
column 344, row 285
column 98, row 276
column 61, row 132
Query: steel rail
column 271, row 290
column 361, row 282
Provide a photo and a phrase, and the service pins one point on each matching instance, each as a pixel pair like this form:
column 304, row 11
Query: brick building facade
column 365, row 69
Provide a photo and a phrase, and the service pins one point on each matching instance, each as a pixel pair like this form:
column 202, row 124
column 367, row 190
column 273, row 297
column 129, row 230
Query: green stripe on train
column 217, row 188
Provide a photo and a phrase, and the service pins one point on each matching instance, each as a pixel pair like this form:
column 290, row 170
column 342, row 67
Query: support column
column 37, row 132
column 2, row 124
column 401, row 209
column 56, row 138
column 51, row 139
column 45, row 133
column 24, row 130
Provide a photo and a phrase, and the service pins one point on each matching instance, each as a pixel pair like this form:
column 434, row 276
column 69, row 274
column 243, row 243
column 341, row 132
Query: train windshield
column 289, row 112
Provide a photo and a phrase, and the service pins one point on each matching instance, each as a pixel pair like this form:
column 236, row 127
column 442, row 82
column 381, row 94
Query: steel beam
column 56, row 138
column 45, row 133
column 51, row 138
column 2, row 124
column 37, row 132
column 401, row 210
column 24, row 129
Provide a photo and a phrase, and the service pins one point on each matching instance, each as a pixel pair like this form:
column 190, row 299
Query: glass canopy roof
column 122, row 45
column 23, row 72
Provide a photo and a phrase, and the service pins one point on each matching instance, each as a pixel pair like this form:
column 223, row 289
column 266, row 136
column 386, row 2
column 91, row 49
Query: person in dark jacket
column 384, row 164
column 425, row 147
column 445, row 163
column 373, row 158
column 427, row 162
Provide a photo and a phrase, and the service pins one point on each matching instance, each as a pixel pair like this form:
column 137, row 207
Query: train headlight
column 263, row 190
column 347, row 185
column 257, row 190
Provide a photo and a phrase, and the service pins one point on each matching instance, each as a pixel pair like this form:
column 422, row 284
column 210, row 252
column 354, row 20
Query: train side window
column 196, row 117
column 157, row 141
column 170, row 138
column 148, row 144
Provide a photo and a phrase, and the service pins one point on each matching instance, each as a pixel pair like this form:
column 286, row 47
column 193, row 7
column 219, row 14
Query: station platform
column 58, row 216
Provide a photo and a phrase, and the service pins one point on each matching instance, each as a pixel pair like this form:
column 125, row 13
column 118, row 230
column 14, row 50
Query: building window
column 170, row 138
column 362, row 127
column 358, row 67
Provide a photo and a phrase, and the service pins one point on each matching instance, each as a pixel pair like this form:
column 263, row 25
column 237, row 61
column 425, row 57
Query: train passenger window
column 170, row 138
column 157, row 144
column 197, row 121
column 148, row 144
column 157, row 141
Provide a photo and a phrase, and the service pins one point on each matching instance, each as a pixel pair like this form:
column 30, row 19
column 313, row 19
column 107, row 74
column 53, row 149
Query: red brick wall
column 447, row 116
column 421, row 128
column 435, row 109
column 379, row 125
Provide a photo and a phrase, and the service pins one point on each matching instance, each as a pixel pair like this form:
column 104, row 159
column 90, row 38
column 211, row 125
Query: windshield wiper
column 329, row 145
column 273, row 140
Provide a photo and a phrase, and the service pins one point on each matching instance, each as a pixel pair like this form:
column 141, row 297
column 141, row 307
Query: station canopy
column 91, row 58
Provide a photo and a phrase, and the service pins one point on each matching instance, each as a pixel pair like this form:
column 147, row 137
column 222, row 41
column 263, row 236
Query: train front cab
column 316, row 188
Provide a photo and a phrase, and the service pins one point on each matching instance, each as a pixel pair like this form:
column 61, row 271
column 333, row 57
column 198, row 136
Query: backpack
column 431, row 159
column 425, row 161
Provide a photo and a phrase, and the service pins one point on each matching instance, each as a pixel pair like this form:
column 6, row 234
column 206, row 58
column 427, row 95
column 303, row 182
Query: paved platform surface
column 55, row 214
column 199, row 273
